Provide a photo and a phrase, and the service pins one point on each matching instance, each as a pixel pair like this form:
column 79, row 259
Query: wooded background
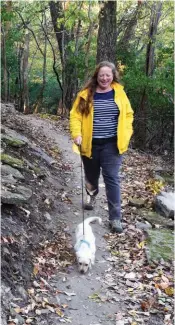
column 50, row 48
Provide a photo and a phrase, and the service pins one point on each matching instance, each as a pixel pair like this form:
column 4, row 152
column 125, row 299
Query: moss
column 154, row 218
column 36, row 170
column 139, row 203
column 160, row 244
column 9, row 160
column 13, row 141
column 49, row 116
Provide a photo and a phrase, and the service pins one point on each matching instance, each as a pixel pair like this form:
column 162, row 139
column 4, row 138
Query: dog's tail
column 91, row 219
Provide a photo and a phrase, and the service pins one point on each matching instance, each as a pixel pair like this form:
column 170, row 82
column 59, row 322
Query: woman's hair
column 92, row 84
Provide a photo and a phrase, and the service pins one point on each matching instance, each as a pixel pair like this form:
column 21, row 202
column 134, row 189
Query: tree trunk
column 155, row 16
column 4, row 60
column 63, row 37
column 123, row 44
column 25, row 73
column 39, row 100
column 141, row 116
column 107, row 33
column 88, row 44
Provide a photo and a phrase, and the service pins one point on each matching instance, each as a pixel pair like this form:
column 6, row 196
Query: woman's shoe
column 90, row 202
column 116, row 225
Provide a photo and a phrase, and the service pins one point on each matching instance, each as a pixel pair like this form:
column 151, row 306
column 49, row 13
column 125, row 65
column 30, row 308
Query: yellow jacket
column 81, row 125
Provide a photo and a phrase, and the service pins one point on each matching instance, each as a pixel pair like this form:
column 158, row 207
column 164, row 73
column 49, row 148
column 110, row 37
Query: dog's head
column 84, row 263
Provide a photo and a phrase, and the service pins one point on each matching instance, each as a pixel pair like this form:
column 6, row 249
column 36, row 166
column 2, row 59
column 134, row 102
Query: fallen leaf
column 59, row 312
column 147, row 304
column 163, row 285
column 70, row 293
column 26, row 211
column 47, row 201
column 64, row 306
column 130, row 276
column 169, row 291
column 141, row 245
column 120, row 322
column 36, row 284
column 38, row 312
column 165, row 279
column 17, row 310
column 118, row 316
column 29, row 320
column 50, row 308
column 31, row 291
column 35, row 269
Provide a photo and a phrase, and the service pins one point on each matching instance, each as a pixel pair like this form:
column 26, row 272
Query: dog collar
column 85, row 241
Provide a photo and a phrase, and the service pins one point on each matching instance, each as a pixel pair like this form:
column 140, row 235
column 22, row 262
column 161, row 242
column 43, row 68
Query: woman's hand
column 78, row 140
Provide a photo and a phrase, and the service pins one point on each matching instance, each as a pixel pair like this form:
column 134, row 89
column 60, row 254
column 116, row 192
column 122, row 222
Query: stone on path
column 165, row 204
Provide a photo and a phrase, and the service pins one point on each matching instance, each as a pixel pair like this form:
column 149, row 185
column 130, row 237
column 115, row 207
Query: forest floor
column 40, row 281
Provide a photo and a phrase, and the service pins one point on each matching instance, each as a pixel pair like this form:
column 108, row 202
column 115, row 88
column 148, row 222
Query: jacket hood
column 115, row 85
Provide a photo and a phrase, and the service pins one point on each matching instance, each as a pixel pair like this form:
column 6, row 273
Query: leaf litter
column 147, row 289
column 144, row 288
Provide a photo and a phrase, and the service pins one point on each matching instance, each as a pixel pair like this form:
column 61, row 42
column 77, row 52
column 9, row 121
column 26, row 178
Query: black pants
column 105, row 157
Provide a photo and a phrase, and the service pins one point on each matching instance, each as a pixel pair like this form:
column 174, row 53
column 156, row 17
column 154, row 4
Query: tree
column 141, row 118
column 106, row 40
column 64, row 37
column 25, row 90
column 4, row 30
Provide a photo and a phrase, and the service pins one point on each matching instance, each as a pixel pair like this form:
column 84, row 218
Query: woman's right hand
column 78, row 140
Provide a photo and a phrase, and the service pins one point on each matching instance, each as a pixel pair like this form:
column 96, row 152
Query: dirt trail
column 122, row 288
column 82, row 309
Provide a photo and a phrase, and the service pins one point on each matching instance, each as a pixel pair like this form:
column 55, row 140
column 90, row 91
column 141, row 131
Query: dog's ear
column 90, row 263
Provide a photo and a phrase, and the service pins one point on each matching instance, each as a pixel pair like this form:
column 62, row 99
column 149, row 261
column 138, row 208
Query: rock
column 19, row 195
column 14, row 162
column 19, row 318
column 22, row 292
column 156, row 219
column 14, row 142
column 160, row 244
column 6, row 170
column 158, row 169
column 8, row 179
column 159, row 178
column 139, row 203
column 143, row 226
column 6, row 297
column 7, row 109
column 165, row 204
column 47, row 216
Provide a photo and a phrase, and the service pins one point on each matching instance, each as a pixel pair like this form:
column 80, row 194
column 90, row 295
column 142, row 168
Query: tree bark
column 4, row 61
column 63, row 37
column 107, row 32
column 39, row 100
column 141, row 116
column 25, row 73
column 123, row 44
column 155, row 16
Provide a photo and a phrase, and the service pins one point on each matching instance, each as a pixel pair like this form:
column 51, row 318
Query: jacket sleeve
column 75, row 119
column 129, row 117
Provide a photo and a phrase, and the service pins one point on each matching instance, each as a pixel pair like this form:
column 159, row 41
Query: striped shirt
column 106, row 114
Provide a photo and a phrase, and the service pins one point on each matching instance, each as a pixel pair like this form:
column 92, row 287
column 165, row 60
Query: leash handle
column 82, row 187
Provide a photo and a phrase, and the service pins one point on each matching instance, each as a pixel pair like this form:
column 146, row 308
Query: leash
column 82, row 187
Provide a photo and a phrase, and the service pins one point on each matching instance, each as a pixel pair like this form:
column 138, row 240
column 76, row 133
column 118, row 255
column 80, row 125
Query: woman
column 101, row 123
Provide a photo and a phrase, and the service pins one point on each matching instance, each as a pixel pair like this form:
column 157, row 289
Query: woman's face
column 104, row 77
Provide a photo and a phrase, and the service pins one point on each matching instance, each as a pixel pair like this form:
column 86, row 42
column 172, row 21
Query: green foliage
column 159, row 88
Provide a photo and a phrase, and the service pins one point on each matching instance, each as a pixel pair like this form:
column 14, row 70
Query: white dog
column 85, row 244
